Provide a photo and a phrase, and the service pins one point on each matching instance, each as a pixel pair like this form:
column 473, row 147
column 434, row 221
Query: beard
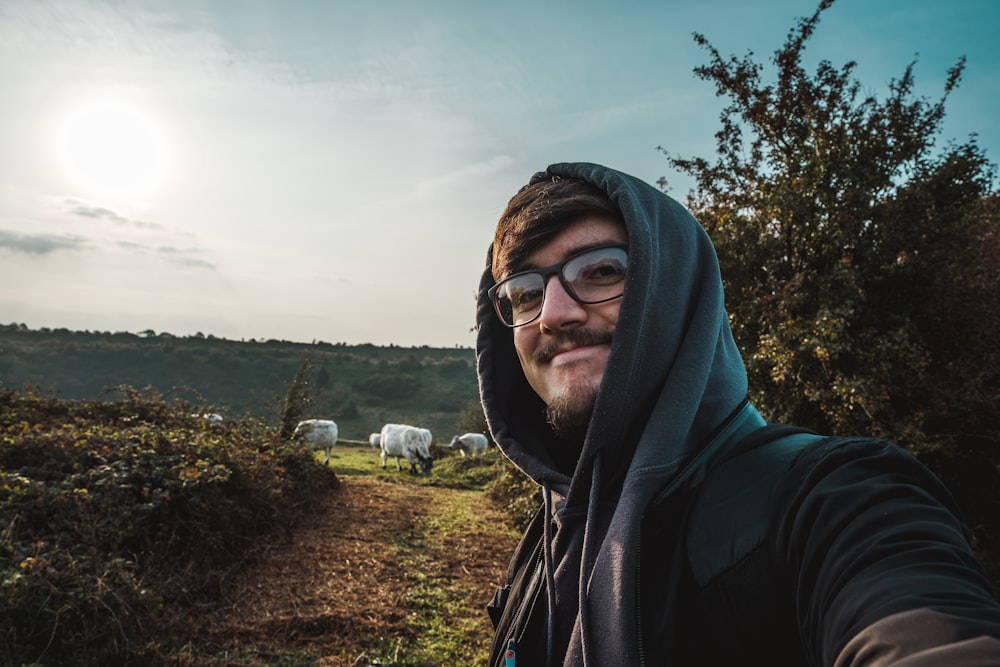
column 569, row 415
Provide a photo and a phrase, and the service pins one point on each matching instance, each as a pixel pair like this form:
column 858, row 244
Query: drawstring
column 585, row 564
column 550, row 583
column 586, row 557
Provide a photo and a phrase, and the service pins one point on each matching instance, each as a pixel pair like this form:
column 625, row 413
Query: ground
column 337, row 588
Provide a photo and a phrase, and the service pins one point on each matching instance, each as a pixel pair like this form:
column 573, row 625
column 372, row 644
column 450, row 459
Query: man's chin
column 569, row 414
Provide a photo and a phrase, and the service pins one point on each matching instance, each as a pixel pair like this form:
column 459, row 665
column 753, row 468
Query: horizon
column 21, row 327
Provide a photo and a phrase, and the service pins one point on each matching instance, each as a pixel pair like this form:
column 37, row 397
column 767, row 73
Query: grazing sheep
column 318, row 434
column 473, row 443
column 409, row 442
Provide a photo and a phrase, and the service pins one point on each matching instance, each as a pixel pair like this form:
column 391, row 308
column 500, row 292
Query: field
column 135, row 533
column 392, row 569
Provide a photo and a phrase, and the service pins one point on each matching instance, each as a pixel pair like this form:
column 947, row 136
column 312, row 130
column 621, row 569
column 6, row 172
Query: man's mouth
column 572, row 354
column 568, row 342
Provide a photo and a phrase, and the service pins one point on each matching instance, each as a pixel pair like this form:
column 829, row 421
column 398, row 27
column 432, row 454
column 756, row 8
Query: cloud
column 470, row 173
column 39, row 244
column 436, row 187
column 89, row 210
column 194, row 263
column 183, row 256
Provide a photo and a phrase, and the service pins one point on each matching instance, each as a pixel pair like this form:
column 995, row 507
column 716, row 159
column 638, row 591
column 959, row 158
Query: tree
column 861, row 266
column 472, row 419
column 298, row 399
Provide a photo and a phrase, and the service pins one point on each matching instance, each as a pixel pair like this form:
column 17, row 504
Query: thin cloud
column 184, row 257
column 172, row 254
column 471, row 173
column 39, row 244
column 194, row 263
column 436, row 187
column 88, row 210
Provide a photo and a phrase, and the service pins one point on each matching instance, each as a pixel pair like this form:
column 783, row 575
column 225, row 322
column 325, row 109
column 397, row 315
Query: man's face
column 565, row 351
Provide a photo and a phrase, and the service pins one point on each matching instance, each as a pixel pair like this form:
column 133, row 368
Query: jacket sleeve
column 881, row 570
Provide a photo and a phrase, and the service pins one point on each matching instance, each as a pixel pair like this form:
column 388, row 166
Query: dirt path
column 339, row 588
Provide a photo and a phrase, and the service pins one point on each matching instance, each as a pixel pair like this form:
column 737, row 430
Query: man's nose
column 559, row 309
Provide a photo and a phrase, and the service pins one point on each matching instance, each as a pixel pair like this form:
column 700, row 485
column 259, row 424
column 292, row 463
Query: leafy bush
column 113, row 512
column 516, row 494
column 506, row 486
column 455, row 471
column 859, row 255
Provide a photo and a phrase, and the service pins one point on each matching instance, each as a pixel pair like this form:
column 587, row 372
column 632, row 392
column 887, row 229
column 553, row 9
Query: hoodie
column 674, row 378
column 848, row 552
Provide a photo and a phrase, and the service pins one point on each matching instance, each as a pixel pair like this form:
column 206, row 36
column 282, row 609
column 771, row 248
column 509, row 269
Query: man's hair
column 538, row 212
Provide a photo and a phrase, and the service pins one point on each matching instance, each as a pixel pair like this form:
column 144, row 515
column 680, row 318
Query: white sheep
column 318, row 434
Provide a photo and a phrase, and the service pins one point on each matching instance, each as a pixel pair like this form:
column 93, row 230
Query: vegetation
column 115, row 512
column 444, row 614
column 121, row 515
column 297, row 403
column 861, row 266
column 437, row 597
column 361, row 387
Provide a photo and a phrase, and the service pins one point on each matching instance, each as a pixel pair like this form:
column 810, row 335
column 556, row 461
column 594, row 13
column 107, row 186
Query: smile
column 576, row 354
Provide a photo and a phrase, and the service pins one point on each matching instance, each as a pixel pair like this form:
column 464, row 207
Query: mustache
column 569, row 339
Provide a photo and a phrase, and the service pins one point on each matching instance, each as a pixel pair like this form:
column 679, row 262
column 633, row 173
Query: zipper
column 508, row 656
column 640, row 643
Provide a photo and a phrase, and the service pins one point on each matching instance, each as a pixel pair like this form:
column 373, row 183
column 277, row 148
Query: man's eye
column 605, row 272
column 525, row 299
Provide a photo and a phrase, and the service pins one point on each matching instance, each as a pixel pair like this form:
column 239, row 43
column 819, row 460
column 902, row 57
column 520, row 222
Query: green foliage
column 298, row 400
column 478, row 472
column 115, row 512
column 361, row 387
column 506, row 486
column 516, row 494
column 472, row 419
column 860, row 266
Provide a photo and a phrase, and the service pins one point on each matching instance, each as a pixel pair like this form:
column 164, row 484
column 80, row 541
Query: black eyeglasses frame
column 547, row 272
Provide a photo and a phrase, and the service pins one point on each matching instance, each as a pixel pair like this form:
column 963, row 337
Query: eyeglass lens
column 590, row 277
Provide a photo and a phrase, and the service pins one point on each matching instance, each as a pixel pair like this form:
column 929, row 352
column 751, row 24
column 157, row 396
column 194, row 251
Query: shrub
column 112, row 512
column 516, row 494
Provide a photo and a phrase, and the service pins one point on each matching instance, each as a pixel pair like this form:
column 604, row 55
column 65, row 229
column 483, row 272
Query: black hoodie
column 674, row 380
column 673, row 377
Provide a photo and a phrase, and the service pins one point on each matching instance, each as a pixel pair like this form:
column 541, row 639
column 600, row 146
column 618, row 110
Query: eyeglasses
column 592, row 276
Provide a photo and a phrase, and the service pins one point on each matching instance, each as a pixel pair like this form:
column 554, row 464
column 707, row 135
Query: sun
column 112, row 147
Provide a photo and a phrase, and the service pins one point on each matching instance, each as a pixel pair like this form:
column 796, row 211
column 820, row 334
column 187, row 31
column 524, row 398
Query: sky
column 332, row 171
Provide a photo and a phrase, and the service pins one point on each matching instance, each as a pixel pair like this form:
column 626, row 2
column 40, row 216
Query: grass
column 450, row 625
column 350, row 459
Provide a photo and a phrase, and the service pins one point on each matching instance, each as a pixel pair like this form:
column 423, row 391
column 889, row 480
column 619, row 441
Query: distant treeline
column 361, row 387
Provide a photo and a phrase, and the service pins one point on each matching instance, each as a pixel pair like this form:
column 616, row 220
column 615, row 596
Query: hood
column 674, row 374
column 674, row 378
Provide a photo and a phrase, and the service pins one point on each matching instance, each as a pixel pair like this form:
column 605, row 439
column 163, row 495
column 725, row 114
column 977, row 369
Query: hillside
column 361, row 387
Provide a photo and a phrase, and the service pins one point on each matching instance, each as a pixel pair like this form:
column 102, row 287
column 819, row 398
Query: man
column 678, row 528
